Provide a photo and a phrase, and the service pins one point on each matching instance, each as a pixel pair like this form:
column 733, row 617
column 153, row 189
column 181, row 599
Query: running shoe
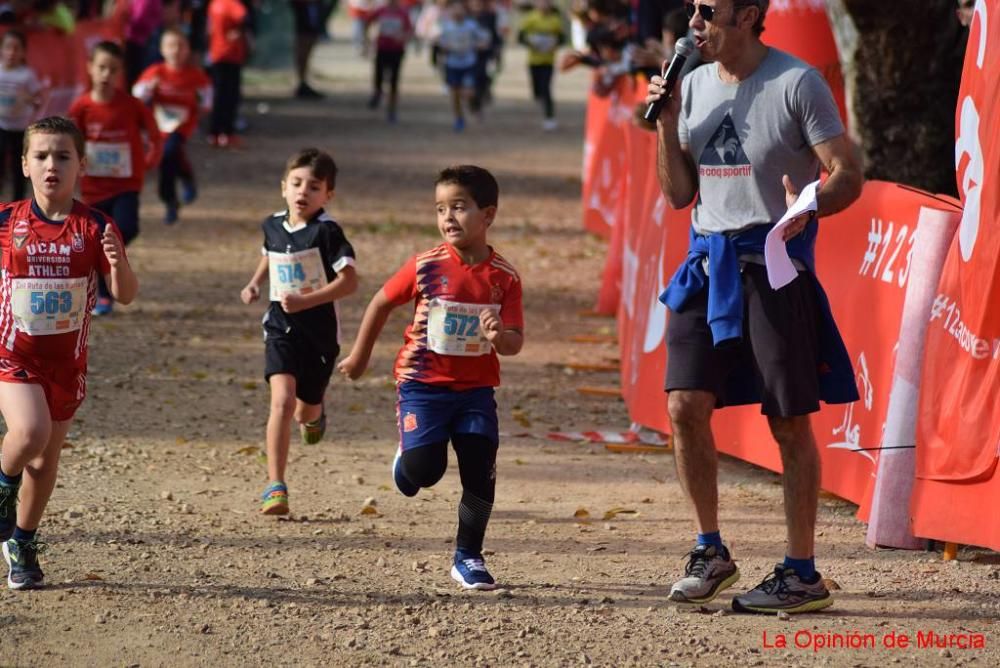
column 784, row 591
column 312, row 432
column 171, row 214
column 307, row 92
column 459, row 124
column 403, row 484
column 469, row 570
column 22, row 560
column 8, row 510
column 274, row 500
column 709, row 570
column 104, row 306
column 189, row 191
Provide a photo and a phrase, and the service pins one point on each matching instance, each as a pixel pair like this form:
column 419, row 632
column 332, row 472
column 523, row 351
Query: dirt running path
column 158, row 556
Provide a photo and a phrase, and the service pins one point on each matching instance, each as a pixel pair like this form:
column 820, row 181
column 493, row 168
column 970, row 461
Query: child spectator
column 309, row 265
column 122, row 143
column 53, row 248
column 392, row 22
column 20, row 98
column 177, row 90
column 467, row 309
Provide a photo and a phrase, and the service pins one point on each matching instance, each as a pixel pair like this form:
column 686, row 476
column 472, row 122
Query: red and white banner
column 959, row 432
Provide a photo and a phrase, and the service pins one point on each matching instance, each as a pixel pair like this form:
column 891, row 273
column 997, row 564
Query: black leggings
column 477, row 466
column 387, row 65
column 541, row 87
column 174, row 165
column 226, row 85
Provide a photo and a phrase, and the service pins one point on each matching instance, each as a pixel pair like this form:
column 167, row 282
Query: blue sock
column 24, row 535
column 10, row 480
column 710, row 539
column 804, row 568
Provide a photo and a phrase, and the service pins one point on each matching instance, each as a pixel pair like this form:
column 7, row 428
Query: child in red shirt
column 116, row 126
column 53, row 249
column 394, row 31
column 177, row 90
column 466, row 309
column 228, row 50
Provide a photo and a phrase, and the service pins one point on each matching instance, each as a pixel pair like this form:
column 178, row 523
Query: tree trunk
column 902, row 83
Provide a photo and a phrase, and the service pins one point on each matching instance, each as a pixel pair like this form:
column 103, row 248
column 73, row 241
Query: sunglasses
column 707, row 12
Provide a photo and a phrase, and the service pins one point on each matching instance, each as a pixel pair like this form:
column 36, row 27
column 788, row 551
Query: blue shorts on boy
column 430, row 414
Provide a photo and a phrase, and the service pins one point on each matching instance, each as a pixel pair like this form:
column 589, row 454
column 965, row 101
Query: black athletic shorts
column 312, row 368
column 308, row 17
column 780, row 344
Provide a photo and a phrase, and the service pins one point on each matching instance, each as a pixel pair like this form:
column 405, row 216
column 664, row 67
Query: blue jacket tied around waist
column 725, row 306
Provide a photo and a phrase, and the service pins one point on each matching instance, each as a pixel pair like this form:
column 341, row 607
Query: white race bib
column 453, row 328
column 44, row 306
column 295, row 273
column 391, row 27
column 109, row 159
column 169, row 117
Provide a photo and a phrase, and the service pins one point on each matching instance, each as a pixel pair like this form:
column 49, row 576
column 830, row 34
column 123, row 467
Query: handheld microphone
column 682, row 49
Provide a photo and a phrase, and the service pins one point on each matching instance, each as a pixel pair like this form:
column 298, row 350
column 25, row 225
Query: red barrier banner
column 604, row 156
column 958, row 439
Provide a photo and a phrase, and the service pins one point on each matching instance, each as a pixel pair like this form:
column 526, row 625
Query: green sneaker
column 312, row 432
column 274, row 500
column 22, row 560
column 8, row 510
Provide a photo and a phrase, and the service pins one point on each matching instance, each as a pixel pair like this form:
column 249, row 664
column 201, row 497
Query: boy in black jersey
column 309, row 264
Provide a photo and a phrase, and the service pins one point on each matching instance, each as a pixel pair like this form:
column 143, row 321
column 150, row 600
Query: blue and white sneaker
column 104, row 306
column 22, row 560
column 403, row 484
column 469, row 570
column 189, row 191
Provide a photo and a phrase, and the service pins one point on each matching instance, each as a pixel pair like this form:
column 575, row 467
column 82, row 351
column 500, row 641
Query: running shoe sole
column 679, row 597
column 16, row 586
column 275, row 507
column 481, row 586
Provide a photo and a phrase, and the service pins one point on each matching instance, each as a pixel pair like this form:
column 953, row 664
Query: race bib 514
column 295, row 273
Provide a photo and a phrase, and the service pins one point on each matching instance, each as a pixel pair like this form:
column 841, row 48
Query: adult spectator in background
column 308, row 16
column 746, row 134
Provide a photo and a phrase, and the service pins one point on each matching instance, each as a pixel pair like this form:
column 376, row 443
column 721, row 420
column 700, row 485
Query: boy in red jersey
column 177, row 91
column 467, row 309
column 53, row 249
column 115, row 126
column 228, row 50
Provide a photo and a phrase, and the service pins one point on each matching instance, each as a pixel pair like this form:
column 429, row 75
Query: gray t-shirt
column 744, row 136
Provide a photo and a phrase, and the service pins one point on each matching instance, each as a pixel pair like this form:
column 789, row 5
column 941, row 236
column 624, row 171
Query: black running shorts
column 780, row 344
column 312, row 369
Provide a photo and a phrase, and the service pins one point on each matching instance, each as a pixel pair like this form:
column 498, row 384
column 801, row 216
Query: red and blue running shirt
column 49, row 282
column 443, row 345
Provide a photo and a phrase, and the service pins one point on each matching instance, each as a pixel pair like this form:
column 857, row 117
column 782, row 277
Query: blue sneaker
column 103, row 306
column 469, row 570
column 189, row 191
column 405, row 487
column 171, row 215
column 22, row 559
column 8, row 510
column 459, row 124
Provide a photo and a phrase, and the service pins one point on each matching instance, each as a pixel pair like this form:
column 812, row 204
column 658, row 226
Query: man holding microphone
column 745, row 133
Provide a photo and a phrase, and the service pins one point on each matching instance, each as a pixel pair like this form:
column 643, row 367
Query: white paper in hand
column 780, row 270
